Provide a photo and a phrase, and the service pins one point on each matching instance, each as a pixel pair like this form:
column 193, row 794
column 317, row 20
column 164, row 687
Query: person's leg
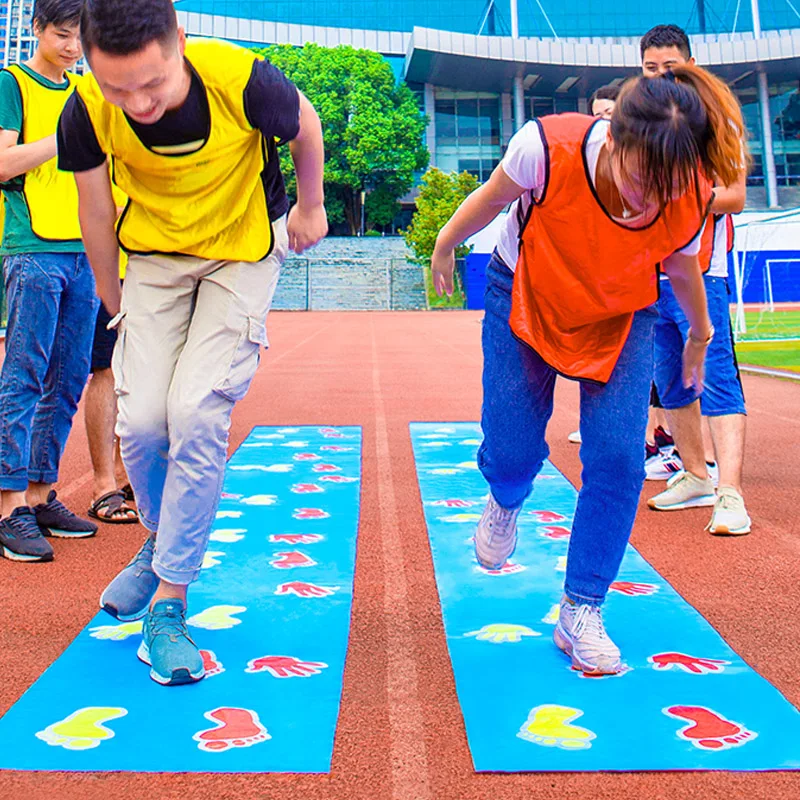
column 100, row 414
column 64, row 383
column 517, row 403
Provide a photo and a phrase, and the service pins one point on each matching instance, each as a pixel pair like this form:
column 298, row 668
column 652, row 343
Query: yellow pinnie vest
column 210, row 203
column 50, row 194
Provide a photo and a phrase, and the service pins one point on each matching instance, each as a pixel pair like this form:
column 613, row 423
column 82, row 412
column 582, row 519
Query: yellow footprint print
column 212, row 559
column 116, row 633
column 552, row 615
column 83, row 729
column 227, row 535
column 549, row 726
column 461, row 518
column 217, row 618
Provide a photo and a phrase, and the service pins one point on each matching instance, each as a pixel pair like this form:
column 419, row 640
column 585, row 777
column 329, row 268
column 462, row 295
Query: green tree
column 372, row 125
column 440, row 195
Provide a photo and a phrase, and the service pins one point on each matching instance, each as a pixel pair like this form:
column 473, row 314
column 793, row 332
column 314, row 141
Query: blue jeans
column 722, row 393
column 52, row 308
column 517, row 404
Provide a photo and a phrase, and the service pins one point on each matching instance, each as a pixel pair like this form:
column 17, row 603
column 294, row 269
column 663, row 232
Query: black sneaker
column 21, row 538
column 55, row 519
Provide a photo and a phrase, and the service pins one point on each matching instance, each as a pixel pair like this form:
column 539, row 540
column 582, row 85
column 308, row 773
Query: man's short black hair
column 122, row 27
column 610, row 92
column 57, row 12
column 666, row 36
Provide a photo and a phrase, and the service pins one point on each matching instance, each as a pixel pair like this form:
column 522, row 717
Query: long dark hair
column 677, row 127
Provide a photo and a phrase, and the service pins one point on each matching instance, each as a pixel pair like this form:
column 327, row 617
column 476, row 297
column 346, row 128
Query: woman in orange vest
column 571, row 285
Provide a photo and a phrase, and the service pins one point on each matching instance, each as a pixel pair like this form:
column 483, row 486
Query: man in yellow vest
column 191, row 131
column 49, row 287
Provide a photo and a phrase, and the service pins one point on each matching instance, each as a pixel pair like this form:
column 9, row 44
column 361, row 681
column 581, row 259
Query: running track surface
column 400, row 734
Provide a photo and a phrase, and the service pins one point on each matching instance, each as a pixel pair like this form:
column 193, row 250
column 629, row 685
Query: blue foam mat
column 275, row 628
column 688, row 702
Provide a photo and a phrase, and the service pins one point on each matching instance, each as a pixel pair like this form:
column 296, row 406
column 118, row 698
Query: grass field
column 778, row 335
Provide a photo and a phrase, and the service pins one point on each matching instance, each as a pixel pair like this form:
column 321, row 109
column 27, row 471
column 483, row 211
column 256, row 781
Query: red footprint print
column 291, row 560
column 335, row 448
column 707, row 730
column 235, row 727
column 547, row 516
column 325, row 468
column 306, row 488
column 555, row 532
column 337, row 479
column 310, row 513
column 632, row 589
column 306, row 457
column 296, row 538
column 509, row 568
column 211, row 664
column 453, row 503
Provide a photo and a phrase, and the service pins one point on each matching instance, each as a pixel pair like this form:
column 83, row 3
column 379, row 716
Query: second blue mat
column 688, row 702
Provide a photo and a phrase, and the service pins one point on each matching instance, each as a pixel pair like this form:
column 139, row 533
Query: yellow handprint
column 217, row 618
column 117, row 633
column 500, row 632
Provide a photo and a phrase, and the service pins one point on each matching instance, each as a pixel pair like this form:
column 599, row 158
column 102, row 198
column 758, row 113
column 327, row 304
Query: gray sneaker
column 684, row 490
column 730, row 517
column 129, row 594
column 496, row 537
column 167, row 647
column 21, row 538
column 580, row 633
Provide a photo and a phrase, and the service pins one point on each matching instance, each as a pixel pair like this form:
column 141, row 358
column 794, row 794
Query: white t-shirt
column 719, row 258
column 525, row 163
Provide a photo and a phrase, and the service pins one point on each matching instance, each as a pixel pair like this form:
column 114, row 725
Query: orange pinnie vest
column 708, row 241
column 581, row 275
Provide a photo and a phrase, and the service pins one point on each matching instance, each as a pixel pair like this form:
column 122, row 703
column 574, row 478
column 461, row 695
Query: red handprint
column 306, row 457
column 453, row 503
column 632, row 589
column 306, row 488
column 325, row 468
column 285, row 666
column 335, row 448
column 337, row 479
column 693, row 664
column 333, row 435
column 296, row 538
column 323, row 431
column 547, row 516
column 292, row 559
column 310, row 513
column 301, row 589
column 555, row 532
column 509, row 568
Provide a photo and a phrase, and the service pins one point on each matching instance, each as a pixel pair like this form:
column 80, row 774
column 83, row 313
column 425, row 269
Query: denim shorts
column 722, row 394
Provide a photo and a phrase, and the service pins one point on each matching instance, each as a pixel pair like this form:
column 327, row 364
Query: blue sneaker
column 129, row 594
column 21, row 538
column 55, row 519
column 167, row 647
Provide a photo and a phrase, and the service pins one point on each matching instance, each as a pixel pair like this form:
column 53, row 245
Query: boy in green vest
column 191, row 130
column 50, row 289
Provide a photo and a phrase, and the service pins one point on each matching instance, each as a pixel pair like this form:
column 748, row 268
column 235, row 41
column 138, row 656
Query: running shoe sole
column 724, row 530
column 704, row 501
column 486, row 565
column 22, row 557
column 56, row 533
column 179, row 676
column 109, row 609
column 564, row 644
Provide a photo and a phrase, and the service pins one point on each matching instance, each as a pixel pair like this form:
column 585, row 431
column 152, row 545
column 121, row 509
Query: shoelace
column 145, row 554
column 24, row 526
column 169, row 622
column 57, row 506
column 728, row 502
column 588, row 620
column 499, row 521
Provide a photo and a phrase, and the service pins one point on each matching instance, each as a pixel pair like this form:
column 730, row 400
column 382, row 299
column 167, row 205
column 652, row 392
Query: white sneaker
column 663, row 466
column 580, row 633
column 575, row 437
column 496, row 537
column 729, row 516
column 684, row 490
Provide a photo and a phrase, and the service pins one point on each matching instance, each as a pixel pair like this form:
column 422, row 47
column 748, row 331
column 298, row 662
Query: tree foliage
column 440, row 195
column 372, row 126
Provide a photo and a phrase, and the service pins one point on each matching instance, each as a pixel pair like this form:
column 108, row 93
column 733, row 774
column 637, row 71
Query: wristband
column 704, row 342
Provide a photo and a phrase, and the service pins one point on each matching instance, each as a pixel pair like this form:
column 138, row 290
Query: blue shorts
column 723, row 393
column 104, row 341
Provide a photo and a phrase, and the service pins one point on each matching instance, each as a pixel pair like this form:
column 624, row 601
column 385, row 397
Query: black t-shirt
column 271, row 104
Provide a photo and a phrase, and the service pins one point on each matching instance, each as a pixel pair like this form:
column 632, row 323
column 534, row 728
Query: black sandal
column 112, row 508
column 127, row 491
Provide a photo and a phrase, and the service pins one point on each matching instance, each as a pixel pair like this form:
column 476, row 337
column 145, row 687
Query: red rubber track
column 400, row 734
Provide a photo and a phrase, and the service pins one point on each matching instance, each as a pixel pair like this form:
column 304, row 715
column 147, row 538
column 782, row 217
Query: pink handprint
column 325, row 468
column 337, row 479
column 301, row 589
column 454, row 503
column 306, row 457
column 306, row 488
column 285, row 666
column 310, row 513
column 693, row 664
column 632, row 589
column 555, row 532
column 335, row 448
column 296, row 538
column 291, row 560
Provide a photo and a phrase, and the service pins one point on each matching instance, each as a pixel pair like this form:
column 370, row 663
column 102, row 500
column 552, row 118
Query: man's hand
column 306, row 226
column 443, row 263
